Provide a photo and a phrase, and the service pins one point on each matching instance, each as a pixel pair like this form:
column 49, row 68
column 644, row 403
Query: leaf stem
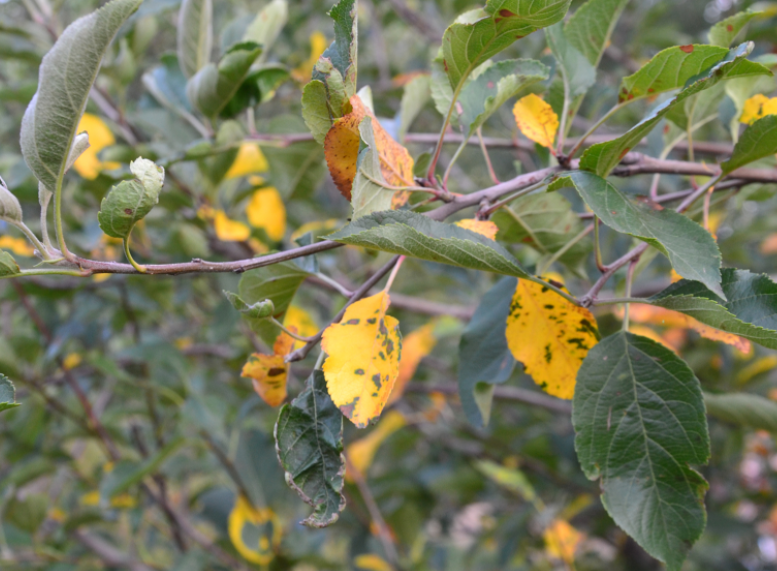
column 629, row 283
column 593, row 129
column 288, row 332
column 394, row 273
column 452, row 162
column 486, row 156
column 441, row 140
column 32, row 238
column 58, row 228
column 550, row 286
column 598, row 247
column 568, row 246
column 141, row 269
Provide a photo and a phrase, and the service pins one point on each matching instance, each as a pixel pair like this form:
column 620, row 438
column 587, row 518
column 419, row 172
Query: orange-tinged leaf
column 88, row 165
column 550, row 336
column 668, row 342
column 758, row 107
column 762, row 365
column 269, row 373
column 266, row 210
column 415, row 347
column 536, row 120
column 483, row 227
column 341, row 148
column 228, row 230
column 562, row 540
column 261, row 525
column 362, row 364
column 362, row 452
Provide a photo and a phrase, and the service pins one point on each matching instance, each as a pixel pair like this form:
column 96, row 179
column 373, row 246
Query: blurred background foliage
column 158, row 359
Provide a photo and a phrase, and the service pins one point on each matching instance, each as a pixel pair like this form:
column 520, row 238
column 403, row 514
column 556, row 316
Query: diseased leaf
column 483, row 96
column 362, row 364
column 410, row 234
column 212, row 88
column 743, row 409
column 590, row 27
column 309, row 442
column 550, row 336
column 315, row 110
column 195, row 35
column 7, row 393
column 414, row 98
column 724, row 32
column 692, row 250
column 640, row 422
column 267, row 25
column 536, row 120
column 50, row 122
column 757, row 142
column 131, row 200
column 8, row 266
column 269, row 372
column 484, row 358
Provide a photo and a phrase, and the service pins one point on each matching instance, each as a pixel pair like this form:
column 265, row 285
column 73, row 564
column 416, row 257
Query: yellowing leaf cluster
column 536, row 120
column 269, row 373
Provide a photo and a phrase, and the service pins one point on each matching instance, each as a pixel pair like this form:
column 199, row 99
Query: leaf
column 757, row 142
column 267, row 25
column 255, row 314
column 578, row 73
column 410, row 234
column 415, row 347
column 440, row 88
column 480, row 34
column 484, row 357
column 269, row 372
column 8, row 266
column 249, row 160
column 692, row 251
column 743, row 409
column 362, row 363
column 88, row 163
column 315, row 110
column 750, row 309
column 724, row 32
column 256, row 533
column 483, row 96
column 195, row 35
column 318, row 44
column 7, row 393
column 126, row 473
column 416, row 95
column 590, row 27
column 508, row 478
column 367, row 196
column 536, row 120
column 10, row 208
column 639, row 419
column 228, row 230
column 483, row 227
column 309, row 442
column 758, row 107
column 167, row 83
column 562, row 540
column 550, row 336
column 131, row 200
column 604, row 157
column 336, row 67
column 361, row 452
column 266, row 211
column 297, row 170
column 50, row 121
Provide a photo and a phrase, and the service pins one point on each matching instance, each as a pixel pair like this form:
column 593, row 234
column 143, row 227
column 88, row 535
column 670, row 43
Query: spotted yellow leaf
column 536, row 120
column 362, row 452
column 363, row 353
column 550, row 336
column 249, row 160
column 266, row 210
column 255, row 532
column 415, row 347
column 18, row 246
column 269, row 373
column 562, row 540
column 483, row 227
column 318, row 44
column 758, row 107
column 88, row 165
column 228, row 230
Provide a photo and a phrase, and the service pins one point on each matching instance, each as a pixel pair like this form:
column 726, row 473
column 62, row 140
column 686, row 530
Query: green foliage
column 743, row 410
column 758, row 141
column 195, row 35
column 7, row 394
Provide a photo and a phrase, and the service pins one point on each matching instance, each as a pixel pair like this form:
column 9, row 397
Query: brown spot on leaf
column 687, row 49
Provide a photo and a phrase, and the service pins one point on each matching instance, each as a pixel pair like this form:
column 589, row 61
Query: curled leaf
column 131, row 200
column 8, row 266
column 270, row 372
column 255, row 532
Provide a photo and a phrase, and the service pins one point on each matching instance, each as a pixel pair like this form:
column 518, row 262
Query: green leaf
column 480, row 34
column 750, row 309
column 259, row 87
column 309, row 441
column 692, row 251
column 440, row 88
column 724, row 32
column 743, row 409
column 639, row 419
column 315, row 111
column 255, row 313
column 483, row 96
column 8, row 266
column 131, row 200
column 50, row 122
column 267, row 25
column 10, row 209
column 277, row 284
column 7, row 394
column 212, row 88
column 195, row 35
column 590, row 27
column 414, row 98
column 697, row 109
column 757, row 142
column 484, row 357
column 296, row 170
column 578, row 73
column 366, row 196
column 127, row 473
column 216, row 167
column 337, row 66
column 418, row 236
column 509, row 478
column 604, row 157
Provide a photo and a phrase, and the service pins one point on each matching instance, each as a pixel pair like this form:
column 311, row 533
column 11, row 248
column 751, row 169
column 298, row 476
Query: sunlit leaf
column 249, row 160
column 536, row 120
column 256, row 533
column 266, row 210
column 88, row 165
column 302, row 322
column 228, row 230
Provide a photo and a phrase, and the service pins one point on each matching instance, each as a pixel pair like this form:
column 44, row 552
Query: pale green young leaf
column 590, row 27
column 743, row 409
column 7, row 394
column 259, row 310
column 267, row 25
column 640, row 423
column 8, row 266
column 338, row 64
column 50, row 122
column 757, row 142
column 195, row 35
column 315, row 111
column 578, row 73
column 414, row 98
column 214, row 85
column 366, row 196
column 724, row 32
column 440, row 87
column 131, row 200
column 10, row 208
column 484, row 95
column 417, row 236
column 692, row 250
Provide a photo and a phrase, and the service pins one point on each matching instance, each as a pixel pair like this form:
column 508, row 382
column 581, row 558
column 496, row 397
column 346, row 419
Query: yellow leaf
column 562, row 540
column 269, row 373
column 550, row 336
column 670, row 342
column 762, row 365
column 758, row 107
column 249, row 160
column 255, row 533
column 228, row 230
column 483, row 227
column 361, row 452
column 536, row 120
column 88, row 165
column 362, row 364
column 415, row 347
column 371, row 562
column 266, row 210
column 318, row 44
column 18, row 246
column 341, row 149
column 71, row 361
column 91, row 498
column 302, row 322
column 321, row 226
